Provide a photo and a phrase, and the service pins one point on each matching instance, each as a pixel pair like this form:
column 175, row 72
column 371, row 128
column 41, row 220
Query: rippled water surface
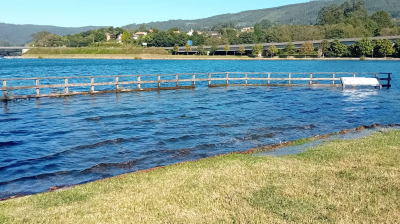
column 64, row 141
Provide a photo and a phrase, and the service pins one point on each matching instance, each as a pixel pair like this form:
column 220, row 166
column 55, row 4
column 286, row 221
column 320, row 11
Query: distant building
column 177, row 31
column 108, row 36
column 139, row 34
column 119, row 38
column 151, row 31
column 198, row 32
column 216, row 35
column 190, row 33
column 247, row 29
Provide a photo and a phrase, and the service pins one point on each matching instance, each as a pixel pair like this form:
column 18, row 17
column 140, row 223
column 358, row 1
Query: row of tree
column 362, row 48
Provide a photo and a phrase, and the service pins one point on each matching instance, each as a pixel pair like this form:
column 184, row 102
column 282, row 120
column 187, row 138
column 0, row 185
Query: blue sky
column 75, row 13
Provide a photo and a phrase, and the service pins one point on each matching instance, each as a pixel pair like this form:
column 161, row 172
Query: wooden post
column 92, row 81
column 5, row 91
column 37, row 87
column 177, row 82
column 269, row 78
column 66, row 86
column 246, row 79
column 333, row 79
column 290, row 78
column 310, row 78
column 138, row 79
column 159, row 83
column 209, row 79
column 227, row 78
column 116, row 86
column 389, row 79
column 194, row 82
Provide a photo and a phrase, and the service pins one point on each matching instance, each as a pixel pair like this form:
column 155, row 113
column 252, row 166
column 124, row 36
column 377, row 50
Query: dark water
column 63, row 141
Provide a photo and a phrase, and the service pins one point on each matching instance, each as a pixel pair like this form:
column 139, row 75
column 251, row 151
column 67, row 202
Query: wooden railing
column 266, row 79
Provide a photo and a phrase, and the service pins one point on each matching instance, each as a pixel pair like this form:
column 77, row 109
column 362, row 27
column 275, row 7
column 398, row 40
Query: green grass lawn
column 352, row 181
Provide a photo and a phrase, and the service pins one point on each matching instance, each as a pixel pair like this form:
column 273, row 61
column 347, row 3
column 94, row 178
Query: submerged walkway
column 62, row 86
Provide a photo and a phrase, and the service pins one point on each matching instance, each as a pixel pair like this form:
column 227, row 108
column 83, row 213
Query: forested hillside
column 21, row 34
column 304, row 13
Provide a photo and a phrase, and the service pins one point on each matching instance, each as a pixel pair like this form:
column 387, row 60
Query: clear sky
column 75, row 13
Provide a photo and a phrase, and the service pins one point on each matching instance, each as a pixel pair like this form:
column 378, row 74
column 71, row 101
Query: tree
column 383, row 20
column 384, row 47
column 364, row 47
column 290, row 48
column 39, row 35
column 200, row 49
column 188, row 48
column 242, row 50
column 338, row 48
column 324, row 47
column 265, row 24
column 125, row 36
column 397, row 47
column 307, row 48
column 258, row 34
column 227, row 48
column 142, row 28
column 257, row 50
column 213, row 49
column 175, row 49
column 245, row 38
column 273, row 50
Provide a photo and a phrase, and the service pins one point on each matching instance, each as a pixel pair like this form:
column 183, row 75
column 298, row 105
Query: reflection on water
column 63, row 141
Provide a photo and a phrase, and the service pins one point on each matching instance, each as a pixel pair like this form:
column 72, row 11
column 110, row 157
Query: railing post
column 66, row 86
column 5, row 91
column 290, row 78
column 209, row 79
column 177, row 82
column 227, row 78
column 159, row 81
column 116, row 86
column 92, row 86
column 194, row 78
column 310, row 78
column 269, row 78
column 333, row 79
column 138, row 79
column 389, row 79
column 246, row 79
column 37, row 87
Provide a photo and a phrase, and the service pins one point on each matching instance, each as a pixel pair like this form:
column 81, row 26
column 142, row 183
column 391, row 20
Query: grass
column 352, row 181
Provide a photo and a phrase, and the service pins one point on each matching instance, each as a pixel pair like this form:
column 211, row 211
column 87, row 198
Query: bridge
column 13, row 51
column 282, row 45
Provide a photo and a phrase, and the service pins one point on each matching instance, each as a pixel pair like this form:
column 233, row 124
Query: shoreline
column 252, row 151
column 332, row 181
column 189, row 57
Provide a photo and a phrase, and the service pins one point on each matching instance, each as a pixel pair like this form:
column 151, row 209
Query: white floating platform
column 360, row 81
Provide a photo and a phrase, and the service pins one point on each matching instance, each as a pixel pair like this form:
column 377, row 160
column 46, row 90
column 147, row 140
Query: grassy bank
column 95, row 51
column 351, row 181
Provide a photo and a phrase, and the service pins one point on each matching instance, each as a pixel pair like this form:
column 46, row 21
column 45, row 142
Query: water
column 64, row 141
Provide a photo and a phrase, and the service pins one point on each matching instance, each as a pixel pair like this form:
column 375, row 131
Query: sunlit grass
column 352, row 181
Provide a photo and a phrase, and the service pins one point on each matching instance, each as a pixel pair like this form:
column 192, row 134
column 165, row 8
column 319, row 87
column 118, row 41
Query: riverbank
column 346, row 181
column 188, row 57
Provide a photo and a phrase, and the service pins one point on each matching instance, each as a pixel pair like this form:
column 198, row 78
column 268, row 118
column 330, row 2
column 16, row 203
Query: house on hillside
column 119, row 38
column 108, row 36
column 247, row 29
column 177, row 31
column 217, row 35
column 139, row 34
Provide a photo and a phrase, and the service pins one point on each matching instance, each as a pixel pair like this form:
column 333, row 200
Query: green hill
column 304, row 13
column 21, row 34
